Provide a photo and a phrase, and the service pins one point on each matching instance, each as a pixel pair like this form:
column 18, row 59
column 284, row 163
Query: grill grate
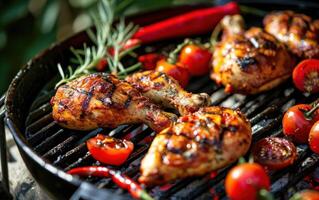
column 66, row 149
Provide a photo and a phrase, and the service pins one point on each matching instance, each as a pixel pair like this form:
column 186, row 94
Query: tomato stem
column 296, row 196
column 172, row 57
column 309, row 114
column 145, row 196
column 264, row 194
column 251, row 159
column 241, row 160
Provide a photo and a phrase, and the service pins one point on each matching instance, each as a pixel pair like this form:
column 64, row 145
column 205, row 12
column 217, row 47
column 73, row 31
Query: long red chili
column 192, row 23
column 121, row 180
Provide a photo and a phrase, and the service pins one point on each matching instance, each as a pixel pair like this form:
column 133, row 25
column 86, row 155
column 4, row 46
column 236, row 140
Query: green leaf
column 39, row 43
column 50, row 16
column 82, row 3
column 13, row 12
column 3, row 39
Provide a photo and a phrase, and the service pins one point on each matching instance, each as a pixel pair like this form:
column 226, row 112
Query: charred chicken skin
column 101, row 100
column 298, row 31
column 196, row 144
column 249, row 62
column 164, row 90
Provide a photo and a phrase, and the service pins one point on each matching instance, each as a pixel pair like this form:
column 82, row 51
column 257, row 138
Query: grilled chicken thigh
column 298, row 31
column 164, row 90
column 101, row 100
column 206, row 140
column 250, row 61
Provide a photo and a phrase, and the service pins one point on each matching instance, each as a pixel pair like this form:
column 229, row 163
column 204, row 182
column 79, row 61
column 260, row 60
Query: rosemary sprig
column 105, row 38
column 120, row 35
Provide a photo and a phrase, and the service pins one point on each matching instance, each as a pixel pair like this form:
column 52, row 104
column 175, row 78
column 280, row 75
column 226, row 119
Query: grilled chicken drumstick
column 206, row 140
column 101, row 100
column 249, row 62
column 164, row 90
column 298, row 31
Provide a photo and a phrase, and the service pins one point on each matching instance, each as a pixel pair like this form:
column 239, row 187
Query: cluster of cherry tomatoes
column 300, row 123
column 250, row 181
column 192, row 60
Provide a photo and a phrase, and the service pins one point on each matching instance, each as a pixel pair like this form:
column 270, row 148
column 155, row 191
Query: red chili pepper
column 90, row 171
column 149, row 60
column 192, row 23
column 121, row 180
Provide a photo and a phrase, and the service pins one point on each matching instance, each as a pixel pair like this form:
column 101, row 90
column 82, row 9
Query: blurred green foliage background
column 29, row 26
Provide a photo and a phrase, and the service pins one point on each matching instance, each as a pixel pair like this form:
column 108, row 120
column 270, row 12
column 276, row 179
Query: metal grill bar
column 60, row 148
column 38, row 113
column 44, row 133
column 44, row 98
column 74, row 154
column 32, row 128
column 299, row 172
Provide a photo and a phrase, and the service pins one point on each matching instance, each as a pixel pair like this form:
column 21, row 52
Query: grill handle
column 3, row 150
column 89, row 192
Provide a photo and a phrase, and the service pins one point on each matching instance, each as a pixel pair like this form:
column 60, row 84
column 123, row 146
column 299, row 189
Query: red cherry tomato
column 306, row 76
column 174, row 70
column 196, row 59
column 314, row 138
column 296, row 124
column 149, row 60
column 101, row 65
column 244, row 181
column 274, row 153
column 109, row 150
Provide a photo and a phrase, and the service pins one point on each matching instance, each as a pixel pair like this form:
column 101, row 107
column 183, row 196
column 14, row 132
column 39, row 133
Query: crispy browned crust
column 101, row 100
column 298, row 31
column 164, row 90
column 251, row 62
column 198, row 143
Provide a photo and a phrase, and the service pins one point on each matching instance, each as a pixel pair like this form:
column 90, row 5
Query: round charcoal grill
column 49, row 150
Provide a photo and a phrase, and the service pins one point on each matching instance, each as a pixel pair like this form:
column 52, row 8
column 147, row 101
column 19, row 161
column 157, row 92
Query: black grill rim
column 12, row 114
